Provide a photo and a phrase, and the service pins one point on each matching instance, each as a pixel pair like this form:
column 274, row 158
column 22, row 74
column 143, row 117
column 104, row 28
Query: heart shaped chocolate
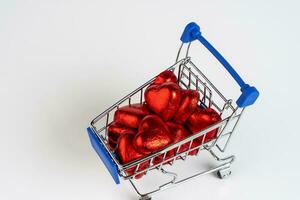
column 112, row 144
column 196, row 143
column 163, row 99
column 201, row 119
column 165, row 77
column 142, row 166
column 115, row 130
column 131, row 115
column 153, row 135
column 188, row 104
column 128, row 153
column 179, row 133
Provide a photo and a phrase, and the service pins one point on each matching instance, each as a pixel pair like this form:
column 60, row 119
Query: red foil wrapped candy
column 165, row 77
column 179, row 133
column 163, row 99
column 131, row 115
column 201, row 119
column 128, row 153
column 188, row 104
column 153, row 135
column 115, row 130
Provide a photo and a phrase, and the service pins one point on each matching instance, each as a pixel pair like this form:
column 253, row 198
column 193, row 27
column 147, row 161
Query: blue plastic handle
column 249, row 93
column 104, row 155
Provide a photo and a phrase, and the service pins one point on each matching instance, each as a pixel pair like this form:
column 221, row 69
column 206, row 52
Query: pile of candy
column 168, row 115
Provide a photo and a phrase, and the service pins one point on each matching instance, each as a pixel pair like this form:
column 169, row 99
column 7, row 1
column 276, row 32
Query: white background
column 64, row 62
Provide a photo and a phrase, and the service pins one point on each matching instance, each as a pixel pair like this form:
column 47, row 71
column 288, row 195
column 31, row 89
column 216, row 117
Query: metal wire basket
column 189, row 77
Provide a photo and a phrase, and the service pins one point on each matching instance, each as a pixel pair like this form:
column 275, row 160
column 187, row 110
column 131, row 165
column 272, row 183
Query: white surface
column 62, row 63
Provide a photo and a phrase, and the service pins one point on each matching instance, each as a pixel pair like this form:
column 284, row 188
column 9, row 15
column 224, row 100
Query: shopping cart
column 189, row 77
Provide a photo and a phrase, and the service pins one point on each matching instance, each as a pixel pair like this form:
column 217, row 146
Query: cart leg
column 145, row 198
column 224, row 173
column 142, row 196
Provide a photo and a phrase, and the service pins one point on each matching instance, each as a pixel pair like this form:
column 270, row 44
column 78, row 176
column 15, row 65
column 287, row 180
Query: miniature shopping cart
column 189, row 77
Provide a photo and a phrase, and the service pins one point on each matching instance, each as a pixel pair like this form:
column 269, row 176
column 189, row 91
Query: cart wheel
column 145, row 198
column 224, row 173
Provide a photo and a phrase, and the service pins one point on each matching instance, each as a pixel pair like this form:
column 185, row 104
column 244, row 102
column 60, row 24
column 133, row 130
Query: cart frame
column 189, row 77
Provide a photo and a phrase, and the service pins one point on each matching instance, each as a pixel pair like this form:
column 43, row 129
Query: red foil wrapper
column 201, row 119
column 163, row 99
column 196, row 142
column 153, row 135
column 131, row 115
column 128, row 153
column 112, row 144
column 115, row 130
column 179, row 133
column 165, row 77
column 188, row 104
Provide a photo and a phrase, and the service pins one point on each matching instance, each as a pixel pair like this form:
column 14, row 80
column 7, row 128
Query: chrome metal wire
column 190, row 77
